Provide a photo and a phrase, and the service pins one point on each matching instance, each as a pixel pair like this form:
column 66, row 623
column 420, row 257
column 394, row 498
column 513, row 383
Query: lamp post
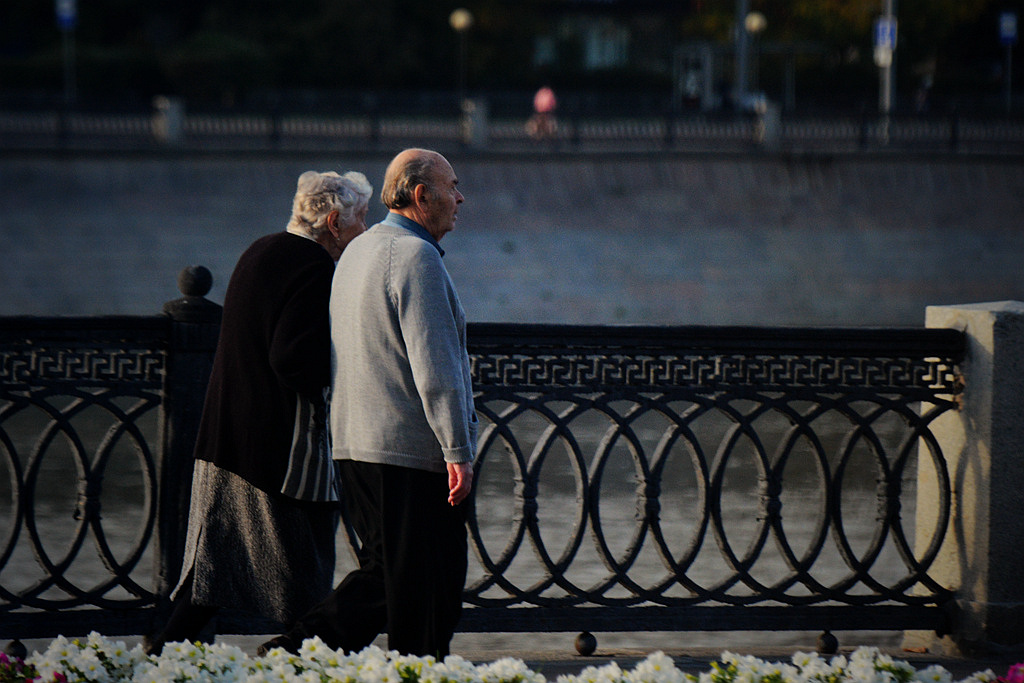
column 67, row 18
column 755, row 23
column 740, row 93
column 885, row 54
column 461, row 20
column 1008, row 36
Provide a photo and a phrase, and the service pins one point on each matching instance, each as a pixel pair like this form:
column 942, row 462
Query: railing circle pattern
column 864, row 438
column 63, row 416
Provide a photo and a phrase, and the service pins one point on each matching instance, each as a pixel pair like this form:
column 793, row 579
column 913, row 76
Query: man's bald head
column 410, row 168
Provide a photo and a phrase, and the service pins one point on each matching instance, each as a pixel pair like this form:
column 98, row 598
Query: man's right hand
column 460, row 481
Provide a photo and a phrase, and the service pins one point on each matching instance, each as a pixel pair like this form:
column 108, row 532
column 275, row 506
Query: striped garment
column 310, row 475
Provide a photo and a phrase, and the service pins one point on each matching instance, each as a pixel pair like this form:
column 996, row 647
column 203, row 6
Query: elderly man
column 263, row 510
column 402, row 421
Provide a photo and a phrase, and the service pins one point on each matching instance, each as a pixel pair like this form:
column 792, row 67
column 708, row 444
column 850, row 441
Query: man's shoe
column 283, row 642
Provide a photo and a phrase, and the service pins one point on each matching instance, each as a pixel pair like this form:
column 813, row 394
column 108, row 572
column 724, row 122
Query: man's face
column 442, row 201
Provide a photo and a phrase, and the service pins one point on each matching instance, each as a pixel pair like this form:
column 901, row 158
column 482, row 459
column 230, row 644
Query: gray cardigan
column 402, row 392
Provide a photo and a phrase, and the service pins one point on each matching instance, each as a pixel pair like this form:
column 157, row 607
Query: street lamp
column 755, row 23
column 461, row 20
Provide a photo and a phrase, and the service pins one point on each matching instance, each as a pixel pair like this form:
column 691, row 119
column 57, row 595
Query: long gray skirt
column 248, row 550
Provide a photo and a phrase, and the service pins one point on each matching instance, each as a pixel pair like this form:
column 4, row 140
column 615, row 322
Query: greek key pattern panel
column 82, row 366
column 932, row 375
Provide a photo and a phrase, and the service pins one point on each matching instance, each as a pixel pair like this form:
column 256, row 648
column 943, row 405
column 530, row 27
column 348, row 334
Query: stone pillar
column 168, row 119
column 473, row 123
column 983, row 443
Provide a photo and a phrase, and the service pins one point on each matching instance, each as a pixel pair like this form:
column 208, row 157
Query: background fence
column 365, row 127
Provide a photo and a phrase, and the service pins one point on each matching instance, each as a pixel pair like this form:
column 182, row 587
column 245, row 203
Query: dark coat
column 274, row 346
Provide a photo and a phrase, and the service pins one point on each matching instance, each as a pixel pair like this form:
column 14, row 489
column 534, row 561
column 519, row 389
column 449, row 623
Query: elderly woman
column 264, row 504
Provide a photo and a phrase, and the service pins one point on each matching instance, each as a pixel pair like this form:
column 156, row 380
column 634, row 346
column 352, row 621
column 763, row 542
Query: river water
column 658, row 239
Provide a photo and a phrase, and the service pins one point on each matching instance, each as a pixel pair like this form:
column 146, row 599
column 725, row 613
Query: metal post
column 67, row 17
column 70, row 88
column 885, row 77
column 754, row 25
column 1009, row 77
column 742, row 52
column 886, row 81
column 791, row 82
column 1008, row 36
column 707, row 69
column 462, row 67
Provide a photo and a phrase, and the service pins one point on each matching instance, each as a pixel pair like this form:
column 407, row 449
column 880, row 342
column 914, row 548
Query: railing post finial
column 195, row 283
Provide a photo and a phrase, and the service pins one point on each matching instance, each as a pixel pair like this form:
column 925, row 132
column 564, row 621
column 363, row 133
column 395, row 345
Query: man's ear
column 421, row 194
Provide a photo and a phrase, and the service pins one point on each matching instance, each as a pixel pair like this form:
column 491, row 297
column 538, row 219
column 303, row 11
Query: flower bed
column 100, row 660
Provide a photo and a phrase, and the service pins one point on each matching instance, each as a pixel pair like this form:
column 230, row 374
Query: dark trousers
column 412, row 564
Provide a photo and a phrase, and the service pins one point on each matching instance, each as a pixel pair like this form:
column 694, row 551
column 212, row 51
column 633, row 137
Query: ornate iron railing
column 664, row 478
column 79, row 404
column 97, row 421
column 718, row 440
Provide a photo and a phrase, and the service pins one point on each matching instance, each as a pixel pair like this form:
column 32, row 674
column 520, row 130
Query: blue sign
column 1008, row 28
column 67, row 14
column 885, row 33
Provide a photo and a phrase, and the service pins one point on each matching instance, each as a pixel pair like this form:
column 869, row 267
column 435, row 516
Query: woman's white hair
column 318, row 194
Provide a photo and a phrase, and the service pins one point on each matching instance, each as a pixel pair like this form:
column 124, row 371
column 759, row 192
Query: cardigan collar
column 397, row 220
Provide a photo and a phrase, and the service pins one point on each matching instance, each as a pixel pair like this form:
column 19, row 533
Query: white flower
column 454, row 669
column 508, row 670
column 99, row 660
column 656, row 668
column 986, row 676
column 933, row 674
column 609, row 673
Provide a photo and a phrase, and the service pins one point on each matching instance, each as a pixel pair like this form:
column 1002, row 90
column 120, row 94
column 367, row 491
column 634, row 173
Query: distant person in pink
column 542, row 124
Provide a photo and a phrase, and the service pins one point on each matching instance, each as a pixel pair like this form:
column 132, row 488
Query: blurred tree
column 221, row 50
column 502, row 44
column 844, row 28
column 211, row 66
